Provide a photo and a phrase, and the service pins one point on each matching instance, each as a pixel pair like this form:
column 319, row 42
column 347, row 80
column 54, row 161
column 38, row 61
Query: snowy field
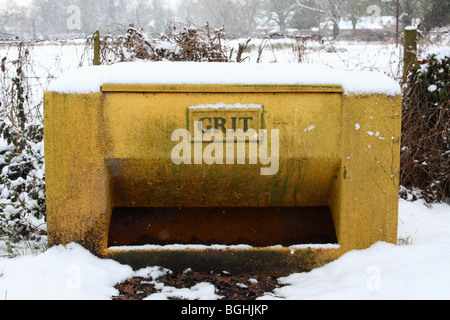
column 51, row 59
column 418, row 268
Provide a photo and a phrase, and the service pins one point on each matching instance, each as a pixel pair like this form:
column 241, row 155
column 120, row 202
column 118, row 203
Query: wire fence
column 40, row 62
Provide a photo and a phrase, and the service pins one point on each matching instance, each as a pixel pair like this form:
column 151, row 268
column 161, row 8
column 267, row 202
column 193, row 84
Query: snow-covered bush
column 22, row 198
column 179, row 43
column 22, row 174
column 426, row 128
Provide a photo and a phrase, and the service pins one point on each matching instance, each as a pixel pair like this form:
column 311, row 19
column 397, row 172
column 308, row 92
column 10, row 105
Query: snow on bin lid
column 91, row 79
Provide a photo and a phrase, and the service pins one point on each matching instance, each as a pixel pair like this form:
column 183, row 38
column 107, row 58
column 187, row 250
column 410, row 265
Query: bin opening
column 257, row 227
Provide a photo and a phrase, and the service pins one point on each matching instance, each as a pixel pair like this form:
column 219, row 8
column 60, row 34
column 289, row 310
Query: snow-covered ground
column 418, row 268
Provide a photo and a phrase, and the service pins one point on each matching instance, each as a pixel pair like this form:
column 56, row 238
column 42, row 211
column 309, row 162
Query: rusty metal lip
column 213, row 88
column 273, row 261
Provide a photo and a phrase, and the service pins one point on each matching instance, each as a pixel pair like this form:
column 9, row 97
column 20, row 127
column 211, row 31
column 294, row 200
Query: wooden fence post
column 410, row 50
column 97, row 48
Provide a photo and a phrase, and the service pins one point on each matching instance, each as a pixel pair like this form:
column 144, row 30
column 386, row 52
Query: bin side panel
column 76, row 180
column 365, row 198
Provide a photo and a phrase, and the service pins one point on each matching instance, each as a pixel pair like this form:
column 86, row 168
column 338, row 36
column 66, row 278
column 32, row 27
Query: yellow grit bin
column 268, row 168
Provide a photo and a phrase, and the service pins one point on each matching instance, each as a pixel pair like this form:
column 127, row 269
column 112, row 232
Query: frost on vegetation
column 22, row 174
column 425, row 129
column 179, row 43
column 22, row 197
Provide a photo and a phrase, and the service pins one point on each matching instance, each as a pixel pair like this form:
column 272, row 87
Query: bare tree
column 235, row 16
column 355, row 9
column 332, row 10
column 153, row 15
column 250, row 10
column 13, row 20
column 280, row 11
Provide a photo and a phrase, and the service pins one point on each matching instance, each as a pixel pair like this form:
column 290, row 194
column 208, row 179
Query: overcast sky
column 27, row 2
column 21, row 2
